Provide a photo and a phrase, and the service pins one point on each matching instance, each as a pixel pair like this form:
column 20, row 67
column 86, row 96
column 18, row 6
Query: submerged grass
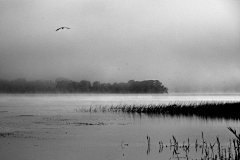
column 227, row 110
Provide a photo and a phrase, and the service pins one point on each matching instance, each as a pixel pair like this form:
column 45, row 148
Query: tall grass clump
column 203, row 150
column 236, row 143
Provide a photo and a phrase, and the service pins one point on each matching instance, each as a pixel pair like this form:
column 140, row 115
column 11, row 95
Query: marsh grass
column 203, row 109
column 236, row 142
column 93, row 109
column 207, row 150
column 209, row 109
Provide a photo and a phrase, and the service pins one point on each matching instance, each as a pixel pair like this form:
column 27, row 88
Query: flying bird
column 62, row 28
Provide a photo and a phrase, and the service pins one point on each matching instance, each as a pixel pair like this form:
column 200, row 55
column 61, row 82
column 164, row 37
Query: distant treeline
column 68, row 86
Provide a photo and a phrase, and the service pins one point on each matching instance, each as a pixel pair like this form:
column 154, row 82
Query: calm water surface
column 106, row 135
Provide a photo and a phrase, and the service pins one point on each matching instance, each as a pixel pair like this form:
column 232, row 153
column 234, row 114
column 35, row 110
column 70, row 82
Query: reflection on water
column 61, row 119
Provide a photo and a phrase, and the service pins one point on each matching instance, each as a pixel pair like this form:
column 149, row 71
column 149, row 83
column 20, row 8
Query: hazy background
column 189, row 45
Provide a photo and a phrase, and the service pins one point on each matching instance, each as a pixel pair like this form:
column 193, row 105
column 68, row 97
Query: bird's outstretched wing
column 62, row 28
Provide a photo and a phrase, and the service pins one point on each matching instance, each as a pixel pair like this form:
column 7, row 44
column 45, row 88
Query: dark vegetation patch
column 226, row 110
column 14, row 134
column 87, row 124
column 64, row 119
column 27, row 115
column 21, row 134
column 6, row 134
column 3, row 111
column 123, row 124
column 39, row 122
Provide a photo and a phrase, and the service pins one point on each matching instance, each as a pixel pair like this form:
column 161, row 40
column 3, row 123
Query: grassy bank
column 227, row 110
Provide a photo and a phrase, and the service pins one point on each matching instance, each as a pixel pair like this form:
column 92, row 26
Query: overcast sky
column 189, row 45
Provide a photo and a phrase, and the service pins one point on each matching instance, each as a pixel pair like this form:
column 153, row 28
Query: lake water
column 59, row 126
